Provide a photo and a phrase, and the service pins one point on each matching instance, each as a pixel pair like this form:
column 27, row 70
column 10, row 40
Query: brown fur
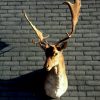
column 56, row 82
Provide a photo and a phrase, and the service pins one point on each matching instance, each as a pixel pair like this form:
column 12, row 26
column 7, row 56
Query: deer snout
column 48, row 65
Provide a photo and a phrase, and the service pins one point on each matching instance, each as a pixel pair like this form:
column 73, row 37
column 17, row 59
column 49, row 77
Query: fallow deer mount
column 56, row 82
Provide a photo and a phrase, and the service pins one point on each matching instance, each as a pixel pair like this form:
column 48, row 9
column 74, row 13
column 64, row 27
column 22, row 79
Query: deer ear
column 44, row 46
column 62, row 46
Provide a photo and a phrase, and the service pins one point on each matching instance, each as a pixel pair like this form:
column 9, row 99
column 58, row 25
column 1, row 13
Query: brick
column 72, row 88
column 84, row 77
column 2, row 27
column 44, row 19
column 31, row 68
column 14, row 3
column 24, row 72
column 97, row 98
column 58, row 27
column 3, row 3
column 75, row 63
column 5, row 68
column 11, row 54
column 93, row 83
column 45, row 27
column 96, row 68
column 69, row 98
column 83, row 58
column 15, row 68
column 28, row 3
column 51, row 6
column 71, row 77
column 93, row 72
column 76, row 82
column 62, row 6
column 91, row 44
column 66, row 94
column 84, row 68
column 76, row 44
column 92, row 53
column 14, row 27
column 7, row 7
column 92, row 63
column 77, row 36
column 96, row 77
column 96, row 49
column 58, row 18
column 18, row 58
column 56, row 2
column 22, row 48
column 14, row 11
column 35, row 58
column 97, row 88
column 27, row 54
column 89, row 27
column 1, row 72
column 69, row 58
column 86, row 98
column 40, row 63
column 22, row 7
column 71, row 68
column 24, row 67
column 52, row 23
column 75, row 53
column 88, row 18
column 6, row 31
column 27, row 63
column 44, row 11
column 89, row 10
column 58, row 11
column 10, row 63
column 42, row 2
column 77, row 94
column 8, row 23
column 96, row 58
column 85, row 88
column 87, row 39
column 5, row 58
column 77, row 72
column 83, row 48
column 93, row 93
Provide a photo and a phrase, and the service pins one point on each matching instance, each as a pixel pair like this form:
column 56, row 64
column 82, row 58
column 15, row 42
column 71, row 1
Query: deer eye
column 55, row 54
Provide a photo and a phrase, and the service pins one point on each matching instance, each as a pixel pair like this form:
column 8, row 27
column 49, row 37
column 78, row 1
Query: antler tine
column 75, row 12
column 38, row 32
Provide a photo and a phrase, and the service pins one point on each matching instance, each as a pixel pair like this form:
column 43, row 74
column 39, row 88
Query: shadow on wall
column 25, row 87
column 4, row 47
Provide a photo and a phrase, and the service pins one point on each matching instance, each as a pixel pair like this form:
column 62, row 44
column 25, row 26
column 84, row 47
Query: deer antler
column 38, row 32
column 75, row 12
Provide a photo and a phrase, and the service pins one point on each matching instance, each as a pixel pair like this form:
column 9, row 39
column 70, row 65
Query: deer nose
column 47, row 67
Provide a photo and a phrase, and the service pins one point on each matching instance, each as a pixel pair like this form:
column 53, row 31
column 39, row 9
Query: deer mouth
column 50, row 68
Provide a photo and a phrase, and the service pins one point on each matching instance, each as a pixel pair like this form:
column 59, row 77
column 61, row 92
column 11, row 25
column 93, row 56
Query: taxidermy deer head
column 56, row 82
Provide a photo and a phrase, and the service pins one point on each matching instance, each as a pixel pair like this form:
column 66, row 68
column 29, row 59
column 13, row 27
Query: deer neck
column 56, row 81
column 60, row 68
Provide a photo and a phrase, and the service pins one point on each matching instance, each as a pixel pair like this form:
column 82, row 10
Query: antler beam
column 38, row 32
column 75, row 12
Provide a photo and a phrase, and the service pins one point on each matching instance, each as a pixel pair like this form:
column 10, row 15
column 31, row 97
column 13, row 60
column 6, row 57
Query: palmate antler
column 75, row 12
column 39, row 34
column 37, row 31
